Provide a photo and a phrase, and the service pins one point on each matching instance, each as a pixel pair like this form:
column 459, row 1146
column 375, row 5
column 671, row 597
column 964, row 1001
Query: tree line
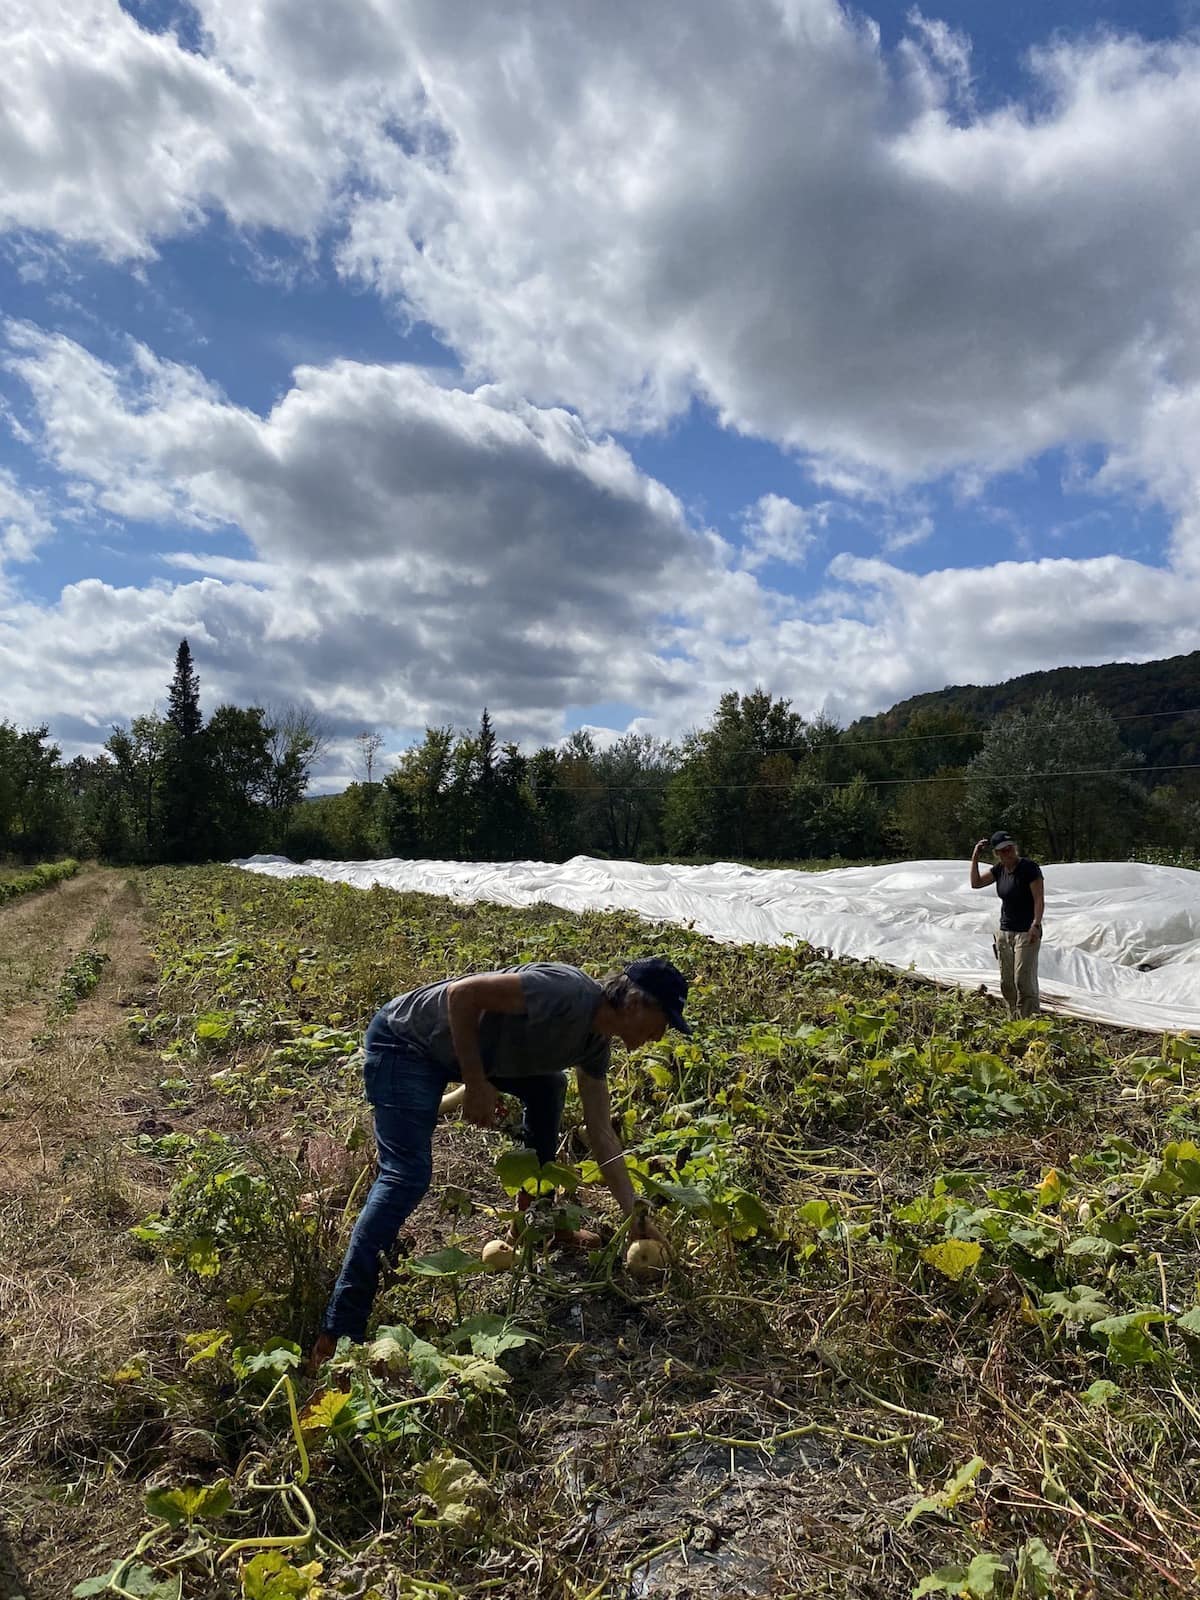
column 168, row 787
column 759, row 782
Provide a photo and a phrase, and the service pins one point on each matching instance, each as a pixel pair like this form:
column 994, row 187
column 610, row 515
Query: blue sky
column 586, row 363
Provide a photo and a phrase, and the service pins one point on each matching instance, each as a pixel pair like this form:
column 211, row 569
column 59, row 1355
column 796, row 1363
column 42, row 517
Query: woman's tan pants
column 1018, row 957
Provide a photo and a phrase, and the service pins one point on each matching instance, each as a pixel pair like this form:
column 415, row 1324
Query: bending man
column 1022, row 891
column 515, row 1032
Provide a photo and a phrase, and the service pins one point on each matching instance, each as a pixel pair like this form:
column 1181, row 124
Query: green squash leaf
column 953, row 1258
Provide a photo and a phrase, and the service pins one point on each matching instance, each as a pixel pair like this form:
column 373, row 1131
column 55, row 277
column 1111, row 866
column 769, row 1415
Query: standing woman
column 1022, row 891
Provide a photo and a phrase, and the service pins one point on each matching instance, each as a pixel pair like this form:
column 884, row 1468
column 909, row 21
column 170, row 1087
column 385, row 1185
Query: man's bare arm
column 466, row 1001
column 606, row 1149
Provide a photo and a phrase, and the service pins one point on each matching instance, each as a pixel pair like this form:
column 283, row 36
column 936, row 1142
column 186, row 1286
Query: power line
column 963, row 733
column 874, row 783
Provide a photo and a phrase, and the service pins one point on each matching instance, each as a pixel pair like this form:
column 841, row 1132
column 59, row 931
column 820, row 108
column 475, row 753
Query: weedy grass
column 931, row 1326
column 16, row 881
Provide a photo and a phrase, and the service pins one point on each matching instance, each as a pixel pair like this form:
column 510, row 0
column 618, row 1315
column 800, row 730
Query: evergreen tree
column 487, row 843
column 186, row 782
column 183, row 696
column 513, row 807
column 413, row 809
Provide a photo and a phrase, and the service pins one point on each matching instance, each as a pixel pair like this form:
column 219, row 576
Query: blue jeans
column 405, row 1089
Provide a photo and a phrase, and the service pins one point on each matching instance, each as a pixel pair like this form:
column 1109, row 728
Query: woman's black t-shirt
column 1016, row 897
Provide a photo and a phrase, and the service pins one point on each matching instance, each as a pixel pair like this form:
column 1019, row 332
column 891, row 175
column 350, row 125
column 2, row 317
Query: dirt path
column 56, row 1050
column 74, row 1299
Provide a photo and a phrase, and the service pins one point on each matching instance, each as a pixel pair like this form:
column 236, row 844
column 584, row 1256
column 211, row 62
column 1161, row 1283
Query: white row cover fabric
column 1105, row 921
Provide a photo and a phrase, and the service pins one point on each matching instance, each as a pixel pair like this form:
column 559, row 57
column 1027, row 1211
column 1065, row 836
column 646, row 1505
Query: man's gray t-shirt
column 554, row 1031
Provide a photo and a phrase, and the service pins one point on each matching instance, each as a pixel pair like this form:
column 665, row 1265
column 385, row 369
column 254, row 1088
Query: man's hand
column 481, row 1104
column 1035, row 933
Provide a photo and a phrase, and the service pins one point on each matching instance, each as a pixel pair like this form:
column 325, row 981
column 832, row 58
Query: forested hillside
column 1146, row 698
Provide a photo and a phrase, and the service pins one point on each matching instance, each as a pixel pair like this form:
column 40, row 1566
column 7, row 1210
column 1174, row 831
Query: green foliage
column 182, row 1507
column 126, row 1578
column 1127, row 690
column 1057, row 810
column 899, row 1223
column 757, row 783
column 34, row 800
column 977, row 1580
column 959, row 1486
column 42, row 877
column 80, row 978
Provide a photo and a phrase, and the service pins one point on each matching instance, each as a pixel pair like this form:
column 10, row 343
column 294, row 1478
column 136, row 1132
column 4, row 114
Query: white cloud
column 619, row 209
column 625, row 207
column 113, row 136
column 414, row 550
column 904, row 533
column 777, row 529
column 881, row 634
column 751, row 204
column 24, row 521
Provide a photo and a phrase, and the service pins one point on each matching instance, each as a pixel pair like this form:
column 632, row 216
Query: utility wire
column 846, row 783
column 963, row 733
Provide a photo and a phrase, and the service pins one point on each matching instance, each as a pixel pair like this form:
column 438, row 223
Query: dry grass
column 74, row 1301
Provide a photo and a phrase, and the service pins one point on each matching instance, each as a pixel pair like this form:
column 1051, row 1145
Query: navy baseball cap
column 665, row 985
column 1000, row 839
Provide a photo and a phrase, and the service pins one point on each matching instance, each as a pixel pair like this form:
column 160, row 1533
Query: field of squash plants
column 931, row 1326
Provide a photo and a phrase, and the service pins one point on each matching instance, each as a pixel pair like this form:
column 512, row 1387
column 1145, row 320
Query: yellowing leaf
column 325, row 1411
column 477, row 1373
column 203, row 1258
column 128, row 1374
column 204, row 1346
column 959, row 1486
column 455, row 1489
column 953, row 1258
column 1051, row 1189
column 271, row 1576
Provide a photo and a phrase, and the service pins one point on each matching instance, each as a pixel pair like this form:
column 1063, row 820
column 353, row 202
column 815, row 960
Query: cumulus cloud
column 879, row 634
column 817, row 243
column 115, row 137
column 624, row 208
column 24, row 521
column 777, row 529
column 414, row 549
column 618, row 210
